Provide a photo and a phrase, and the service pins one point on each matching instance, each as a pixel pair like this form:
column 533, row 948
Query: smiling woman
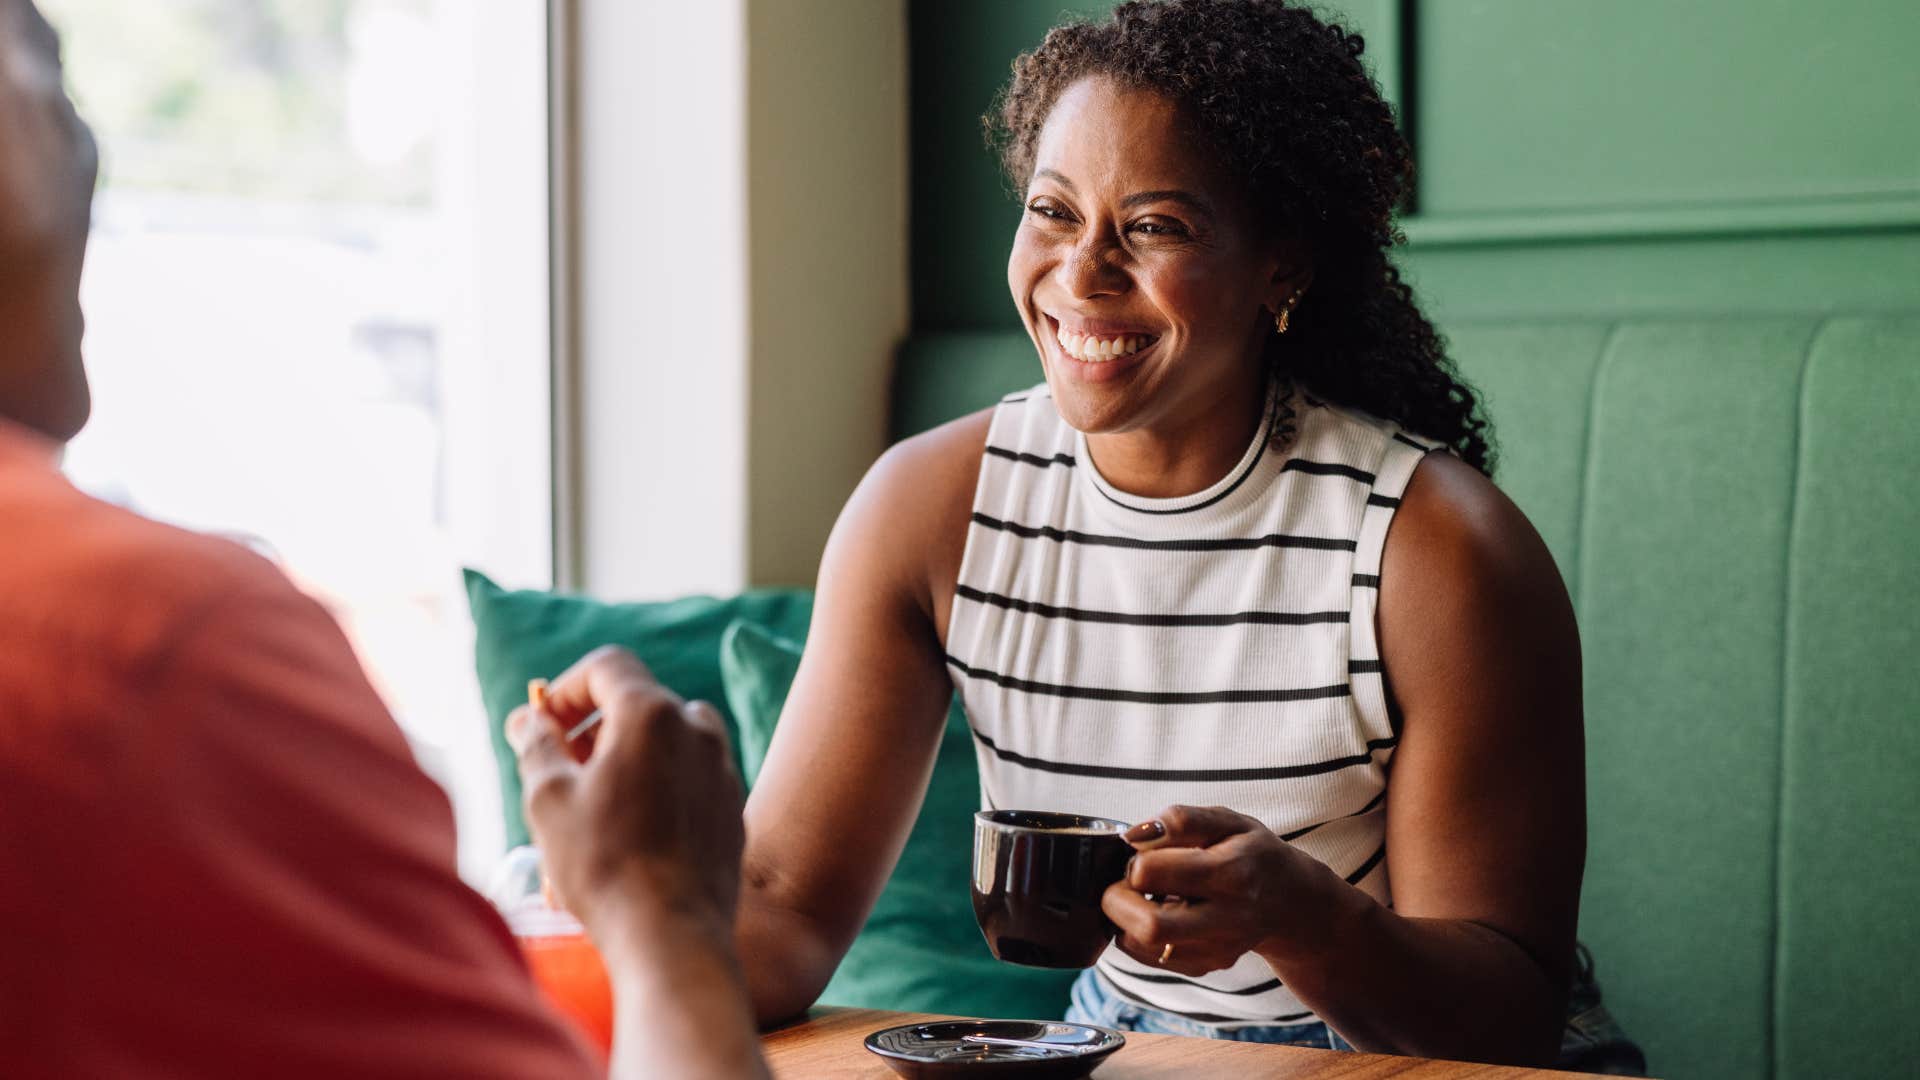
column 1289, row 154
column 1234, row 572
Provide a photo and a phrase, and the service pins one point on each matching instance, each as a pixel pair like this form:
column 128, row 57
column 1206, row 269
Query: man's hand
column 643, row 820
column 639, row 824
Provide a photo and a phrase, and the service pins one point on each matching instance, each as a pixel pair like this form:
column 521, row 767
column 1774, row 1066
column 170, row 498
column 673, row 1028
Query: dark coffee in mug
column 1037, row 882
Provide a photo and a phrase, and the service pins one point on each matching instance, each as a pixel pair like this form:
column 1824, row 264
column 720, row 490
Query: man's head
column 47, row 168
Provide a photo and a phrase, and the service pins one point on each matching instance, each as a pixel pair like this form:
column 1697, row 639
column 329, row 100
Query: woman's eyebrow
column 1055, row 177
column 1186, row 198
column 1138, row 198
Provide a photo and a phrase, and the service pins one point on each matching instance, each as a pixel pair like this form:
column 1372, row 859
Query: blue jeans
column 1096, row 1002
column 1591, row 1042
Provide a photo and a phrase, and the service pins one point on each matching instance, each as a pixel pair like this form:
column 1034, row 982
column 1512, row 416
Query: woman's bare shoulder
column 942, row 463
column 1455, row 517
column 908, row 518
column 1471, row 597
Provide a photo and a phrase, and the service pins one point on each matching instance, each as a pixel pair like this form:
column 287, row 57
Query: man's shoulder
column 83, row 571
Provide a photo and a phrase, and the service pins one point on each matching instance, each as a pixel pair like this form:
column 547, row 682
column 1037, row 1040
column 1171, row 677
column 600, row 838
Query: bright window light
column 317, row 312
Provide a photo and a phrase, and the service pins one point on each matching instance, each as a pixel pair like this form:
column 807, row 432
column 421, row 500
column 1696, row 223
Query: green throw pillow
column 520, row 635
column 921, row 950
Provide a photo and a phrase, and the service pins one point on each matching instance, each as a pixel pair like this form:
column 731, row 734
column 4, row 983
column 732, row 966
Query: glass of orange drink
column 564, row 963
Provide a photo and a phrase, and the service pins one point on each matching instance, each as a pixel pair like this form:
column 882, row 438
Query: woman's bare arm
column 850, row 760
column 1486, row 812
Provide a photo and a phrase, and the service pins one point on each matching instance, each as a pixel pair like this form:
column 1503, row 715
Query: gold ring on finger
column 1166, row 954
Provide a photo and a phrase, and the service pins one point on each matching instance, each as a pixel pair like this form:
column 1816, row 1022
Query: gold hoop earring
column 1285, row 314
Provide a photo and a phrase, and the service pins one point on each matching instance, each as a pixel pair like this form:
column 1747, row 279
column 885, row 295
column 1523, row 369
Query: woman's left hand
column 1212, row 883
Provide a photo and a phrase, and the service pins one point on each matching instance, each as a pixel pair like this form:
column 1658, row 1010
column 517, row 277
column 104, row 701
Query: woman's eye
column 1048, row 211
column 1159, row 227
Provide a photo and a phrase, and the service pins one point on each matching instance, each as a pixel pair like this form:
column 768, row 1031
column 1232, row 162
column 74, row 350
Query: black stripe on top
column 1366, row 667
column 1366, row 868
column 1198, row 776
column 1296, row 834
column 1367, row 581
column 1327, row 468
column 1182, row 980
column 1152, row 697
column 1248, row 543
column 1420, row 446
column 1204, row 1018
column 1125, row 618
column 1025, row 458
column 1382, row 500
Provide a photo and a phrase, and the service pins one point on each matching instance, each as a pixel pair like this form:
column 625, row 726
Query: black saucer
column 940, row 1050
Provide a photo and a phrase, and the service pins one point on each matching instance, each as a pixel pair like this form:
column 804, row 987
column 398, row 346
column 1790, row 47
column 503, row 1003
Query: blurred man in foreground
column 217, row 857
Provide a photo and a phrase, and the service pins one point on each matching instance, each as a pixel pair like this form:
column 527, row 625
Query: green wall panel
column 1571, row 103
column 1682, row 570
column 1761, row 274
column 1849, row 935
column 1535, row 382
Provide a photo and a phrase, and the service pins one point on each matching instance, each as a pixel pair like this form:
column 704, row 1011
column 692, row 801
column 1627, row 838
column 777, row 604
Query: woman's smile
column 1096, row 351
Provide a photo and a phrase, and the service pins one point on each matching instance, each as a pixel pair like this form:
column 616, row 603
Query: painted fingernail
column 1131, row 859
column 1146, row 832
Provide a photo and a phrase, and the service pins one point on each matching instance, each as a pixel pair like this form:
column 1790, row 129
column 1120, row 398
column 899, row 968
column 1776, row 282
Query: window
column 317, row 301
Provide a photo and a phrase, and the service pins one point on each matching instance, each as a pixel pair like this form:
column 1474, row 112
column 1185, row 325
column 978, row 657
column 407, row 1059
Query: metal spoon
column 989, row 1040
column 537, row 697
column 592, row 721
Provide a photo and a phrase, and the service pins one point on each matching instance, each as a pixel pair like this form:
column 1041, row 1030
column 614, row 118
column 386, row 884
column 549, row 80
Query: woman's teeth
column 1093, row 350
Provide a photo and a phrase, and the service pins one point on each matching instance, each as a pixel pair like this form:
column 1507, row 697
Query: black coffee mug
column 1037, row 882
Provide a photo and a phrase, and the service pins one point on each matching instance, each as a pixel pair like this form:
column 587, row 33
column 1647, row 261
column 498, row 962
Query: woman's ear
column 1292, row 276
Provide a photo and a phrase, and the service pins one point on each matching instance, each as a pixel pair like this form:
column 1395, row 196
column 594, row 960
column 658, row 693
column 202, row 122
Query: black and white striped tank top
column 1118, row 654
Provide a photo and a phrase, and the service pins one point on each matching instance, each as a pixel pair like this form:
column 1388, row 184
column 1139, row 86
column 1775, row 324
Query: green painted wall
column 1571, row 104
column 1631, row 157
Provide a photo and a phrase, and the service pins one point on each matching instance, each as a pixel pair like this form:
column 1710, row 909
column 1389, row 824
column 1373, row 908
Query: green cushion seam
column 1577, row 584
column 1776, row 988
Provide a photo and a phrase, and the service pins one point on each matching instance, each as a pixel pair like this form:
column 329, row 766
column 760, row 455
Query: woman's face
column 1138, row 269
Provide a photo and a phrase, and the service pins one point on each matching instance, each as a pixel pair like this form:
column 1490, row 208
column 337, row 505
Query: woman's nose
column 1090, row 270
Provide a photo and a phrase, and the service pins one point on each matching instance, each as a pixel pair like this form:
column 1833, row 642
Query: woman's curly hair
column 1283, row 96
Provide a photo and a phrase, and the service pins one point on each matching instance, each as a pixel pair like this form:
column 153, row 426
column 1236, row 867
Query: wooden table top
column 828, row 1045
